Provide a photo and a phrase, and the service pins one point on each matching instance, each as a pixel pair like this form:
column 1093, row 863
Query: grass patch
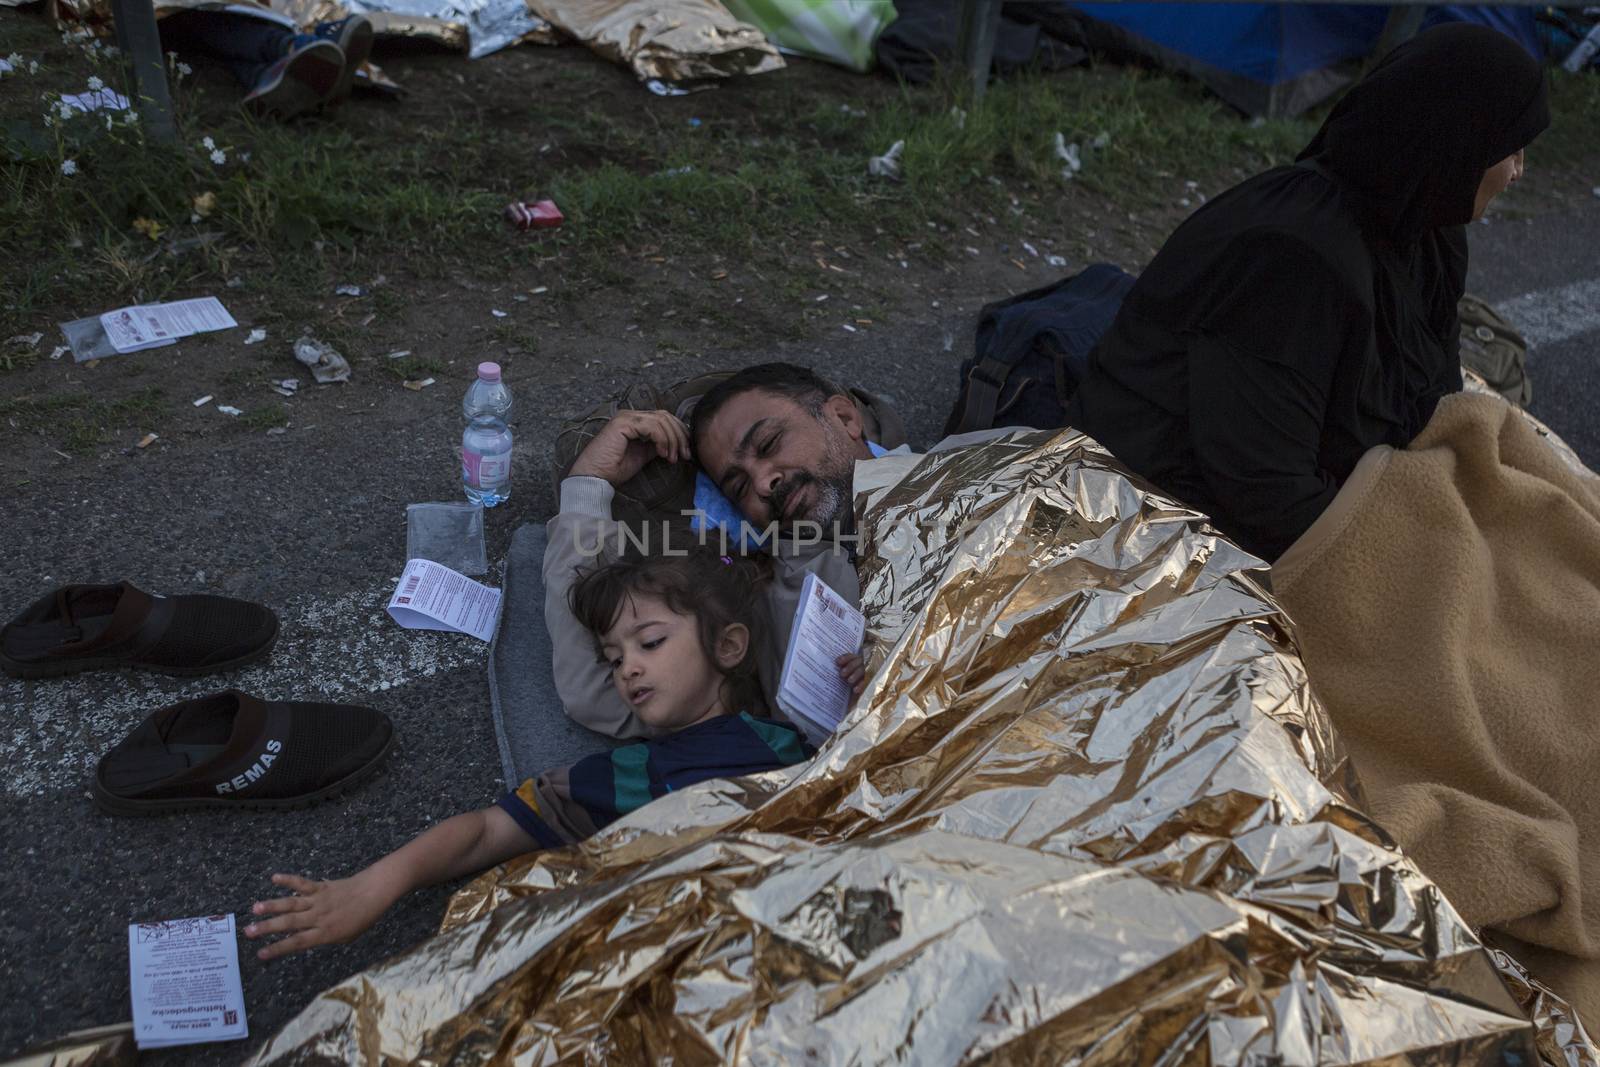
column 15, row 357
column 774, row 164
column 265, row 418
column 410, row 368
column 1574, row 134
column 79, row 424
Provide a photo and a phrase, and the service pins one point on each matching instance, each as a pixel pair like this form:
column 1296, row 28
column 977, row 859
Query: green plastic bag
column 838, row 31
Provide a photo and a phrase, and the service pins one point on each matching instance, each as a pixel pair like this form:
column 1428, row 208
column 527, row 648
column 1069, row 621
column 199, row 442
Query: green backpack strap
column 1494, row 350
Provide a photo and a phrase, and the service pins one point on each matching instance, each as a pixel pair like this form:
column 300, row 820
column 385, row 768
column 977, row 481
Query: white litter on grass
column 203, row 401
column 1056, row 261
column 31, row 340
column 228, row 409
column 821, row 298
column 59, row 351
column 888, row 164
column 277, row 431
column 1032, row 251
column 337, row 646
column 973, row 251
column 399, row 353
column 326, row 364
column 497, row 313
column 1068, row 154
column 257, row 335
column 350, row 290
column 1101, row 140
column 96, row 100
column 849, row 327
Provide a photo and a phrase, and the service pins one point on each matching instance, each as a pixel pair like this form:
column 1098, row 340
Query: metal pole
column 141, row 46
column 980, row 19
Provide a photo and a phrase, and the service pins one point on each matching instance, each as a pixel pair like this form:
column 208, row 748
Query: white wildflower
column 15, row 59
column 184, row 69
column 64, row 110
column 33, row 66
column 107, row 117
column 69, row 167
column 218, row 157
column 207, row 143
column 95, row 84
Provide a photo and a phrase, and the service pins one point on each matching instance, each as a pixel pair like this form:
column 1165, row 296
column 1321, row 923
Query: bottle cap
column 489, row 372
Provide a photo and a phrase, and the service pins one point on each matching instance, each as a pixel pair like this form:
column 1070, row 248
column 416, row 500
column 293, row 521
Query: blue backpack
column 1032, row 350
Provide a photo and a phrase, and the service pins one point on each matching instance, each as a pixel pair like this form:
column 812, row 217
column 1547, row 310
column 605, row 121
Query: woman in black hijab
column 1309, row 313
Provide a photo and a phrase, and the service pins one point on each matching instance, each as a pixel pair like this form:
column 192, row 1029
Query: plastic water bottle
column 486, row 442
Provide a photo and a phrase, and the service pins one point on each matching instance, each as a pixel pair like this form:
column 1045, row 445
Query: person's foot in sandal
column 99, row 627
column 230, row 750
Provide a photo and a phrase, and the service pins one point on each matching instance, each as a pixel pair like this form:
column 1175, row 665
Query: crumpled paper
column 673, row 40
column 1087, row 810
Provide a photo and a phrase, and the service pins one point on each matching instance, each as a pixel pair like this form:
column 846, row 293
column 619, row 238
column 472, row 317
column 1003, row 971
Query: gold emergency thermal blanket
column 1086, row 811
column 673, row 40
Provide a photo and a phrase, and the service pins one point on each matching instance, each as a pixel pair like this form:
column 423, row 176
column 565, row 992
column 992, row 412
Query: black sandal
column 101, row 627
column 230, row 750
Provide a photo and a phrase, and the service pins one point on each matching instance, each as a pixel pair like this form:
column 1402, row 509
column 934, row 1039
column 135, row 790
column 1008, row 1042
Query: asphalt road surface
column 314, row 525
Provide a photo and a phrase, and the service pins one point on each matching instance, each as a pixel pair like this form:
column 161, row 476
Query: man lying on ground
column 780, row 444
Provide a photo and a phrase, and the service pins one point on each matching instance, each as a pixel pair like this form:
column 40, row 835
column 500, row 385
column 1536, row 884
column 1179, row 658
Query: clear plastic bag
column 449, row 534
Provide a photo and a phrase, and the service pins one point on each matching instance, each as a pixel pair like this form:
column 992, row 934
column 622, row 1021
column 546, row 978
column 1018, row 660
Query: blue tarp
column 1244, row 51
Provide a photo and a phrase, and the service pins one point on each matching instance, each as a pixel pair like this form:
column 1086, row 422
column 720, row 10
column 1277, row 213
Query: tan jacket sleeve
column 581, row 535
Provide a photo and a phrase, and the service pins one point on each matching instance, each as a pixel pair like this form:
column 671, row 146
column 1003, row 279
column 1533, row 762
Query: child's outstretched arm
column 322, row 913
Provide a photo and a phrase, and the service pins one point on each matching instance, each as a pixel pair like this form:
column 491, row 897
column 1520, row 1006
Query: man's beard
column 833, row 493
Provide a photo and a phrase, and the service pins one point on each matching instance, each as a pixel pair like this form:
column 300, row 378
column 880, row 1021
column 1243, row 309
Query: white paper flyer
column 810, row 690
column 184, row 976
column 132, row 329
column 434, row 597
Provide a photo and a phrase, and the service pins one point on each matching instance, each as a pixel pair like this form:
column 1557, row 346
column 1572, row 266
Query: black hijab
column 1309, row 313
column 1414, row 137
column 1410, row 143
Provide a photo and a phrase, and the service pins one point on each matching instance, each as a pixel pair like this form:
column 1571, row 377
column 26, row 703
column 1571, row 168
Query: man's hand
column 853, row 672
column 320, row 913
column 629, row 441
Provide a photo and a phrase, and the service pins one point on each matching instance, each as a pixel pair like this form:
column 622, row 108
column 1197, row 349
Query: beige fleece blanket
column 1448, row 605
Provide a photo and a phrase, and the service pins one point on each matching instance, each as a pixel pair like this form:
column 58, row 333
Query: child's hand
column 320, row 913
column 853, row 672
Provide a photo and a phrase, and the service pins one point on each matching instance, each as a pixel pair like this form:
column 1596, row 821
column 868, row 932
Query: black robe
column 1309, row 314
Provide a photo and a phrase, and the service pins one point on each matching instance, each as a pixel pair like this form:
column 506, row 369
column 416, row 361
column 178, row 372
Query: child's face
column 659, row 667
